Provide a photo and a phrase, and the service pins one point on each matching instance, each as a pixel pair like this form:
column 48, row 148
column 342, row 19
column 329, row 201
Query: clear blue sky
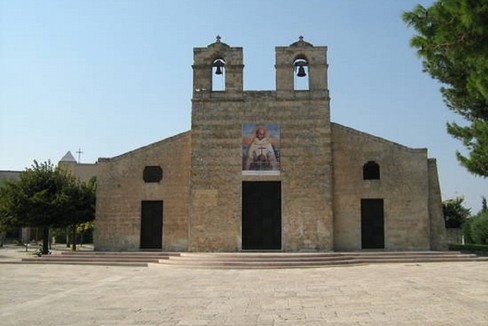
column 111, row 76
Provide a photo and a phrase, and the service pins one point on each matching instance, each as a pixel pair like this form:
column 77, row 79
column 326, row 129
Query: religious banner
column 260, row 149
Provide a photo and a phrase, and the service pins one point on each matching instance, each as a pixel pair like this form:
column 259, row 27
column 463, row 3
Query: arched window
column 218, row 75
column 301, row 74
column 371, row 171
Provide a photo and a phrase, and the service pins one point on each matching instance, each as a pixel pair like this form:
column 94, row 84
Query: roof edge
column 143, row 148
column 379, row 139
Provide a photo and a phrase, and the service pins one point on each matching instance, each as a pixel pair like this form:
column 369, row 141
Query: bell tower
column 301, row 60
column 285, row 181
column 217, row 60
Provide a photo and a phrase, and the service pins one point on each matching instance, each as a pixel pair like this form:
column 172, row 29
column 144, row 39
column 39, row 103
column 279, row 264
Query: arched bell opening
column 218, row 75
column 301, row 74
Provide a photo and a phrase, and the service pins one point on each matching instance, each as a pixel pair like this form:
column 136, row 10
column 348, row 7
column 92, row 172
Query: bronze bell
column 301, row 72
column 218, row 71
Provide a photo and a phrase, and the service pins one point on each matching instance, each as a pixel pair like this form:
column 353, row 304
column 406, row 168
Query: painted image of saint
column 260, row 150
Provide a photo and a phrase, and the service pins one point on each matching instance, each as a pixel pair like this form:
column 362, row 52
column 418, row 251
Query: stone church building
column 268, row 170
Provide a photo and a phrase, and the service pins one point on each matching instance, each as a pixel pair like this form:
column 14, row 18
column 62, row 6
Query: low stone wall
column 454, row 235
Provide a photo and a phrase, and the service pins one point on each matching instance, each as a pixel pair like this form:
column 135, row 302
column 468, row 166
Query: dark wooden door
column 152, row 224
column 372, row 224
column 261, row 215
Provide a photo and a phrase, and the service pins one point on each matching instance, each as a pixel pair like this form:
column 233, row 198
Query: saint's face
column 260, row 134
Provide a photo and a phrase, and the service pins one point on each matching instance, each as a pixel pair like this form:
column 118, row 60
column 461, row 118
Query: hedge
column 469, row 247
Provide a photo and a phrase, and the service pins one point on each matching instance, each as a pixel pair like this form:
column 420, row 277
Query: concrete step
column 315, row 256
column 248, row 259
column 95, row 259
column 255, row 265
column 111, row 257
column 119, row 253
column 305, row 260
column 101, row 258
column 245, row 258
column 93, row 263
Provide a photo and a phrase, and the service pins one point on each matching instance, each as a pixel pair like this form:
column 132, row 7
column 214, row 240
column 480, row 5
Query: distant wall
column 8, row 176
column 82, row 171
column 454, row 235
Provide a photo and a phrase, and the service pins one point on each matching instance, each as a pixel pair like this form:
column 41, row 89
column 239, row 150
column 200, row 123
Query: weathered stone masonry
column 320, row 174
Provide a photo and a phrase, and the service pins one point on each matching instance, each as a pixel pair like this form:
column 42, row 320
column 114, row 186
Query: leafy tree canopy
column 46, row 196
column 452, row 42
column 455, row 214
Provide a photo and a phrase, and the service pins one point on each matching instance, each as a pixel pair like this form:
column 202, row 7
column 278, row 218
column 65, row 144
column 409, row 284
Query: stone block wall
column 403, row 185
column 438, row 231
column 321, row 172
column 216, row 174
column 121, row 189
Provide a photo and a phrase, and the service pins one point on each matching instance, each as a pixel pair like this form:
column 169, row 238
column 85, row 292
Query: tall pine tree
column 452, row 42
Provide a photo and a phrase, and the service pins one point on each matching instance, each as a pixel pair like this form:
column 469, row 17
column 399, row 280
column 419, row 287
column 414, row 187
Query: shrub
column 468, row 247
column 481, row 250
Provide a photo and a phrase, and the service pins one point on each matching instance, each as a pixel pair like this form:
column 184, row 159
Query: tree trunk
column 74, row 237
column 67, row 236
column 45, row 240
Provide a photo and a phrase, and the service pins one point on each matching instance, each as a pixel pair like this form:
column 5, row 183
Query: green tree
column 467, row 226
column 479, row 228
column 452, row 43
column 475, row 229
column 82, row 211
column 85, row 228
column 455, row 214
column 46, row 196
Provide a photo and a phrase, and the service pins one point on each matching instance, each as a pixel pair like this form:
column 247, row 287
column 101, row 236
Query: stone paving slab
column 387, row 294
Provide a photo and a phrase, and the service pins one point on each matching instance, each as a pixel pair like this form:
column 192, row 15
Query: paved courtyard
column 382, row 294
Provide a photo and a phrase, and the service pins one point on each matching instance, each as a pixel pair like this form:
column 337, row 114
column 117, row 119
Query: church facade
column 268, row 170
